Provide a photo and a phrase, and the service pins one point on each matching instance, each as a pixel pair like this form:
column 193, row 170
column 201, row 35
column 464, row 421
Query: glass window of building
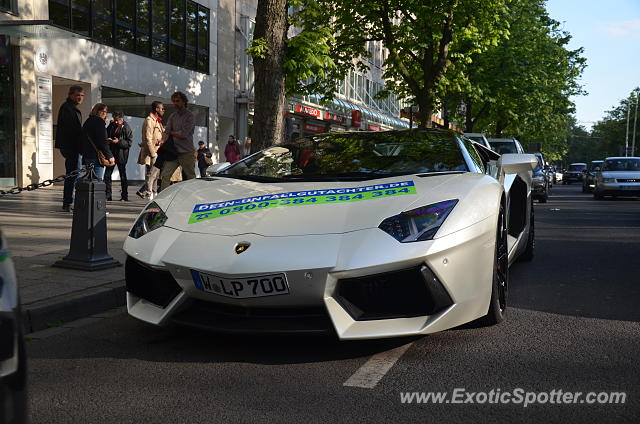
column 5, row 4
column 174, row 31
column 7, row 117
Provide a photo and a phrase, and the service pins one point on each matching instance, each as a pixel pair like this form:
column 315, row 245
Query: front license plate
column 241, row 288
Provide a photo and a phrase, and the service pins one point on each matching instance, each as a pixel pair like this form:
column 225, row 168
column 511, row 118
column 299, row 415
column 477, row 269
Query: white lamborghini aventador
column 367, row 235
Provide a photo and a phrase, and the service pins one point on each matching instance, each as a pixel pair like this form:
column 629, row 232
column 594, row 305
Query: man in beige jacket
column 152, row 138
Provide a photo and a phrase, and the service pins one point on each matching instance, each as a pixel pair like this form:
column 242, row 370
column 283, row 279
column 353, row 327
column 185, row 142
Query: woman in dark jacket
column 120, row 137
column 95, row 131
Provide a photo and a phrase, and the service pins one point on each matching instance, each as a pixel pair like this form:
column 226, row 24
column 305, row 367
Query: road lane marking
column 368, row 375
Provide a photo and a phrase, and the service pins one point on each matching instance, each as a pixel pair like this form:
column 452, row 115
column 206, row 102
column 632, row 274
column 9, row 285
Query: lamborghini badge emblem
column 242, row 246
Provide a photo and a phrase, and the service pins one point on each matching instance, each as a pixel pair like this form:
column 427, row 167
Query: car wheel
column 543, row 198
column 584, row 188
column 564, row 183
column 500, row 284
column 527, row 255
column 597, row 196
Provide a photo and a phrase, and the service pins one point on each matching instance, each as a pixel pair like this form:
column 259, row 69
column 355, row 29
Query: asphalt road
column 573, row 325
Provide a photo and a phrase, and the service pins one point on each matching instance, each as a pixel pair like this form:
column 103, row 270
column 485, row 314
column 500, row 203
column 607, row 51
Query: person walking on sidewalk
column 68, row 140
column 152, row 137
column 95, row 137
column 232, row 150
column 180, row 127
column 120, row 138
column 204, row 159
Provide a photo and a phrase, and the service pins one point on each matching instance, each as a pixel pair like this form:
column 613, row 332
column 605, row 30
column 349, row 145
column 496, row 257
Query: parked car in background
column 13, row 362
column 558, row 176
column 589, row 178
column 492, row 167
column 573, row 174
column 619, row 176
column 506, row 145
column 540, row 181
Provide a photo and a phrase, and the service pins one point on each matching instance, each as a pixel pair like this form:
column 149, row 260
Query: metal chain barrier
column 45, row 183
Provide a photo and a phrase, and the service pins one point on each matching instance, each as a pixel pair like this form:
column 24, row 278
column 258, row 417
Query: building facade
column 124, row 53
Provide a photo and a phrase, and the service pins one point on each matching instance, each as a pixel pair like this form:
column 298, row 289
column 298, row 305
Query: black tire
column 527, row 255
column 597, row 196
column 500, row 283
column 564, row 183
column 584, row 189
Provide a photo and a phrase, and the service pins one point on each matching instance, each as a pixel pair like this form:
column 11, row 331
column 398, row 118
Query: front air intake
column 398, row 294
column 158, row 287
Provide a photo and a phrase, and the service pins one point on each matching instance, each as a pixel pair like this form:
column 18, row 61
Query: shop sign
column 44, row 119
column 335, row 118
column 373, row 127
column 309, row 111
column 356, row 118
column 314, row 128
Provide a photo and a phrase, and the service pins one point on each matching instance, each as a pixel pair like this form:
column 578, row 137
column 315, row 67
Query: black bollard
column 88, row 251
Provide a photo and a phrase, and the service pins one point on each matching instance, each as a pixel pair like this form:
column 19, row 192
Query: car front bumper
column 618, row 189
column 317, row 267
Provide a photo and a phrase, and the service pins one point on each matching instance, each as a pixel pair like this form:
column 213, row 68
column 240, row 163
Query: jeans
column 72, row 162
column 98, row 170
column 124, row 183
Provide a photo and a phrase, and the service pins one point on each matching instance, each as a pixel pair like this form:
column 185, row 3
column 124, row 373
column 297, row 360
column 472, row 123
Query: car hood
column 622, row 175
column 190, row 205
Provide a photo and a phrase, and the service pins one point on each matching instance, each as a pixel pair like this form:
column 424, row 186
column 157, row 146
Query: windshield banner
column 205, row 211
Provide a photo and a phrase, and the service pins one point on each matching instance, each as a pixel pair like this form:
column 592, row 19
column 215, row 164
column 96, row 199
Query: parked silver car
column 619, row 176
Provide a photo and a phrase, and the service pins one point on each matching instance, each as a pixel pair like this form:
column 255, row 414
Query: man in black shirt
column 120, row 138
column 68, row 139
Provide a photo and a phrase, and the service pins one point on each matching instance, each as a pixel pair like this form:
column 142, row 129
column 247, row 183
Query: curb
column 47, row 313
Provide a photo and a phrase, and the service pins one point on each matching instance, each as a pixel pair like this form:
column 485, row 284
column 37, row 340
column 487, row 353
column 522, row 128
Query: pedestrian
column 120, row 138
column 68, row 140
column 152, row 137
column 95, row 139
column 204, row 159
column 232, row 150
column 180, row 127
column 247, row 147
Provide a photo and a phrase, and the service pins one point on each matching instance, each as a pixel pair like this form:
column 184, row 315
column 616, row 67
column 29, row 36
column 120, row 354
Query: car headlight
column 151, row 218
column 418, row 224
column 608, row 180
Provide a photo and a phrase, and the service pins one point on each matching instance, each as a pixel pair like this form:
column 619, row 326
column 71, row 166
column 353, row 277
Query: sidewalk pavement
column 38, row 233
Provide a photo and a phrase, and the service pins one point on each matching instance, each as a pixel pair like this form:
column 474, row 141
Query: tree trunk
column 271, row 26
column 426, row 110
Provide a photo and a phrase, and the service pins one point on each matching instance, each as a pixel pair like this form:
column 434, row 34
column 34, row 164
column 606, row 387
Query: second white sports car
column 367, row 235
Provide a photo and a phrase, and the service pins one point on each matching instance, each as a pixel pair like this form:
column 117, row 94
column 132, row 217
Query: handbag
column 168, row 150
column 102, row 159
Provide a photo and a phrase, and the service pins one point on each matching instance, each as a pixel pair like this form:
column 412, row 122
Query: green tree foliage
column 609, row 135
column 522, row 86
column 429, row 43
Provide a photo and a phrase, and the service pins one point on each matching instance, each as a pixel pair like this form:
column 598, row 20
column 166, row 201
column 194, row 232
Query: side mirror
column 514, row 163
column 217, row 167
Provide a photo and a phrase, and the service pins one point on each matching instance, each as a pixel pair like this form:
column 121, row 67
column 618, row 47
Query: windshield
column 595, row 164
column 623, row 164
column 503, row 147
column 348, row 156
column 577, row 167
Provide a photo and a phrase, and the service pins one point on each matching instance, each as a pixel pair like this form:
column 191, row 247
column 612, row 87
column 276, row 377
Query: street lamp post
column 626, row 138
column 635, row 120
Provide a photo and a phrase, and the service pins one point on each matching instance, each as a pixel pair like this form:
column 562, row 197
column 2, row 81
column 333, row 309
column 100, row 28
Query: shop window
column 138, row 105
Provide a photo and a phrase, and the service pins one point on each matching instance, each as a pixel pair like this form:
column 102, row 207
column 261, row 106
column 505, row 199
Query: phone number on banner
column 300, row 201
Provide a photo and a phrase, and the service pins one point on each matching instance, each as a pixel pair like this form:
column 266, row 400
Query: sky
column 609, row 32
